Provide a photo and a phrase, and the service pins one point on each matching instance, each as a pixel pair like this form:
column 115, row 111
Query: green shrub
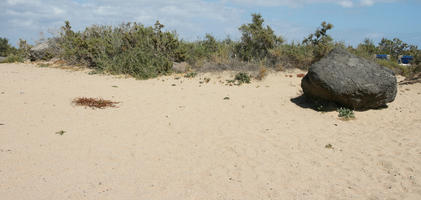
column 142, row 52
column 208, row 50
column 139, row 63
column 24, row 48
column 5, row 48
column 367, row 49
column 320, row 41
column 197, row 52
column 291, row 56
column 301, row 56
column 226, row 52
column 210, row 44
column 13, row 58
column 256, row 40
column 395, row 67
column 149, row 51
column 394, row 47
column 346, row 113
column 12, row 54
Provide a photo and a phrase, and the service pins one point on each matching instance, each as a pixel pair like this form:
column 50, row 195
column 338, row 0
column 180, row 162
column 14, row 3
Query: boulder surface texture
column 350, row 81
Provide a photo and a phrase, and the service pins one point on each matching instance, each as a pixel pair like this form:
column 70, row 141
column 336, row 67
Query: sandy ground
column 186, row 142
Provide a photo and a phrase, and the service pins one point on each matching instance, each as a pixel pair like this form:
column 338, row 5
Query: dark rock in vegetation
column 44, row 50
column 351, row 81
column 38, row 51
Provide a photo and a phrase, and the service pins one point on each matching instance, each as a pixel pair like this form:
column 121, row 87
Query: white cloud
column 295, row 3
column 58, row 11
column 189, row 17
column 346, row 4
column 367, row 2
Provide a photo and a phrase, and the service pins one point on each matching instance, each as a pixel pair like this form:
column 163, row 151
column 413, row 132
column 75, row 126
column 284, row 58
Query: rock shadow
column 324, row 106
column 315, row 104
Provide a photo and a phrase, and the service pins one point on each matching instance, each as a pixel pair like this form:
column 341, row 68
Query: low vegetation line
column 150, row 51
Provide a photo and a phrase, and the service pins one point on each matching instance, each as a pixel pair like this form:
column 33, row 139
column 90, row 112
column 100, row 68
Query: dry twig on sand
column 94, row 102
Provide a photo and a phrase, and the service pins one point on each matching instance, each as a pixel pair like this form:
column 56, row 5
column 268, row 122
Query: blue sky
column 353, row 20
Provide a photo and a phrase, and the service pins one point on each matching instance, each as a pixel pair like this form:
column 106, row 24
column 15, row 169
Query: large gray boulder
column 351, row 81
column 2, row 59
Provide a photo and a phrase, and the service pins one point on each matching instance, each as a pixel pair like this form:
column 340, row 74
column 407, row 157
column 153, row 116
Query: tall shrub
column 5, row 48
column 256, row 40
column 320, row 41
column 131, row 48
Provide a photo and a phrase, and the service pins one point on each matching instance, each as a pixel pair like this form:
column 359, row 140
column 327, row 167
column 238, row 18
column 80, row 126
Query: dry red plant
column 300, row 75
column 94, row 102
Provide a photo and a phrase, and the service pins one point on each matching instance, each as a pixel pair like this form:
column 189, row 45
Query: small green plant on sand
column 190, row 75
column 240, row 78
column 346, row 113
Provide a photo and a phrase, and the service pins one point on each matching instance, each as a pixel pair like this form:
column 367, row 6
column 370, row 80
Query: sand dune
column 187, row 142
